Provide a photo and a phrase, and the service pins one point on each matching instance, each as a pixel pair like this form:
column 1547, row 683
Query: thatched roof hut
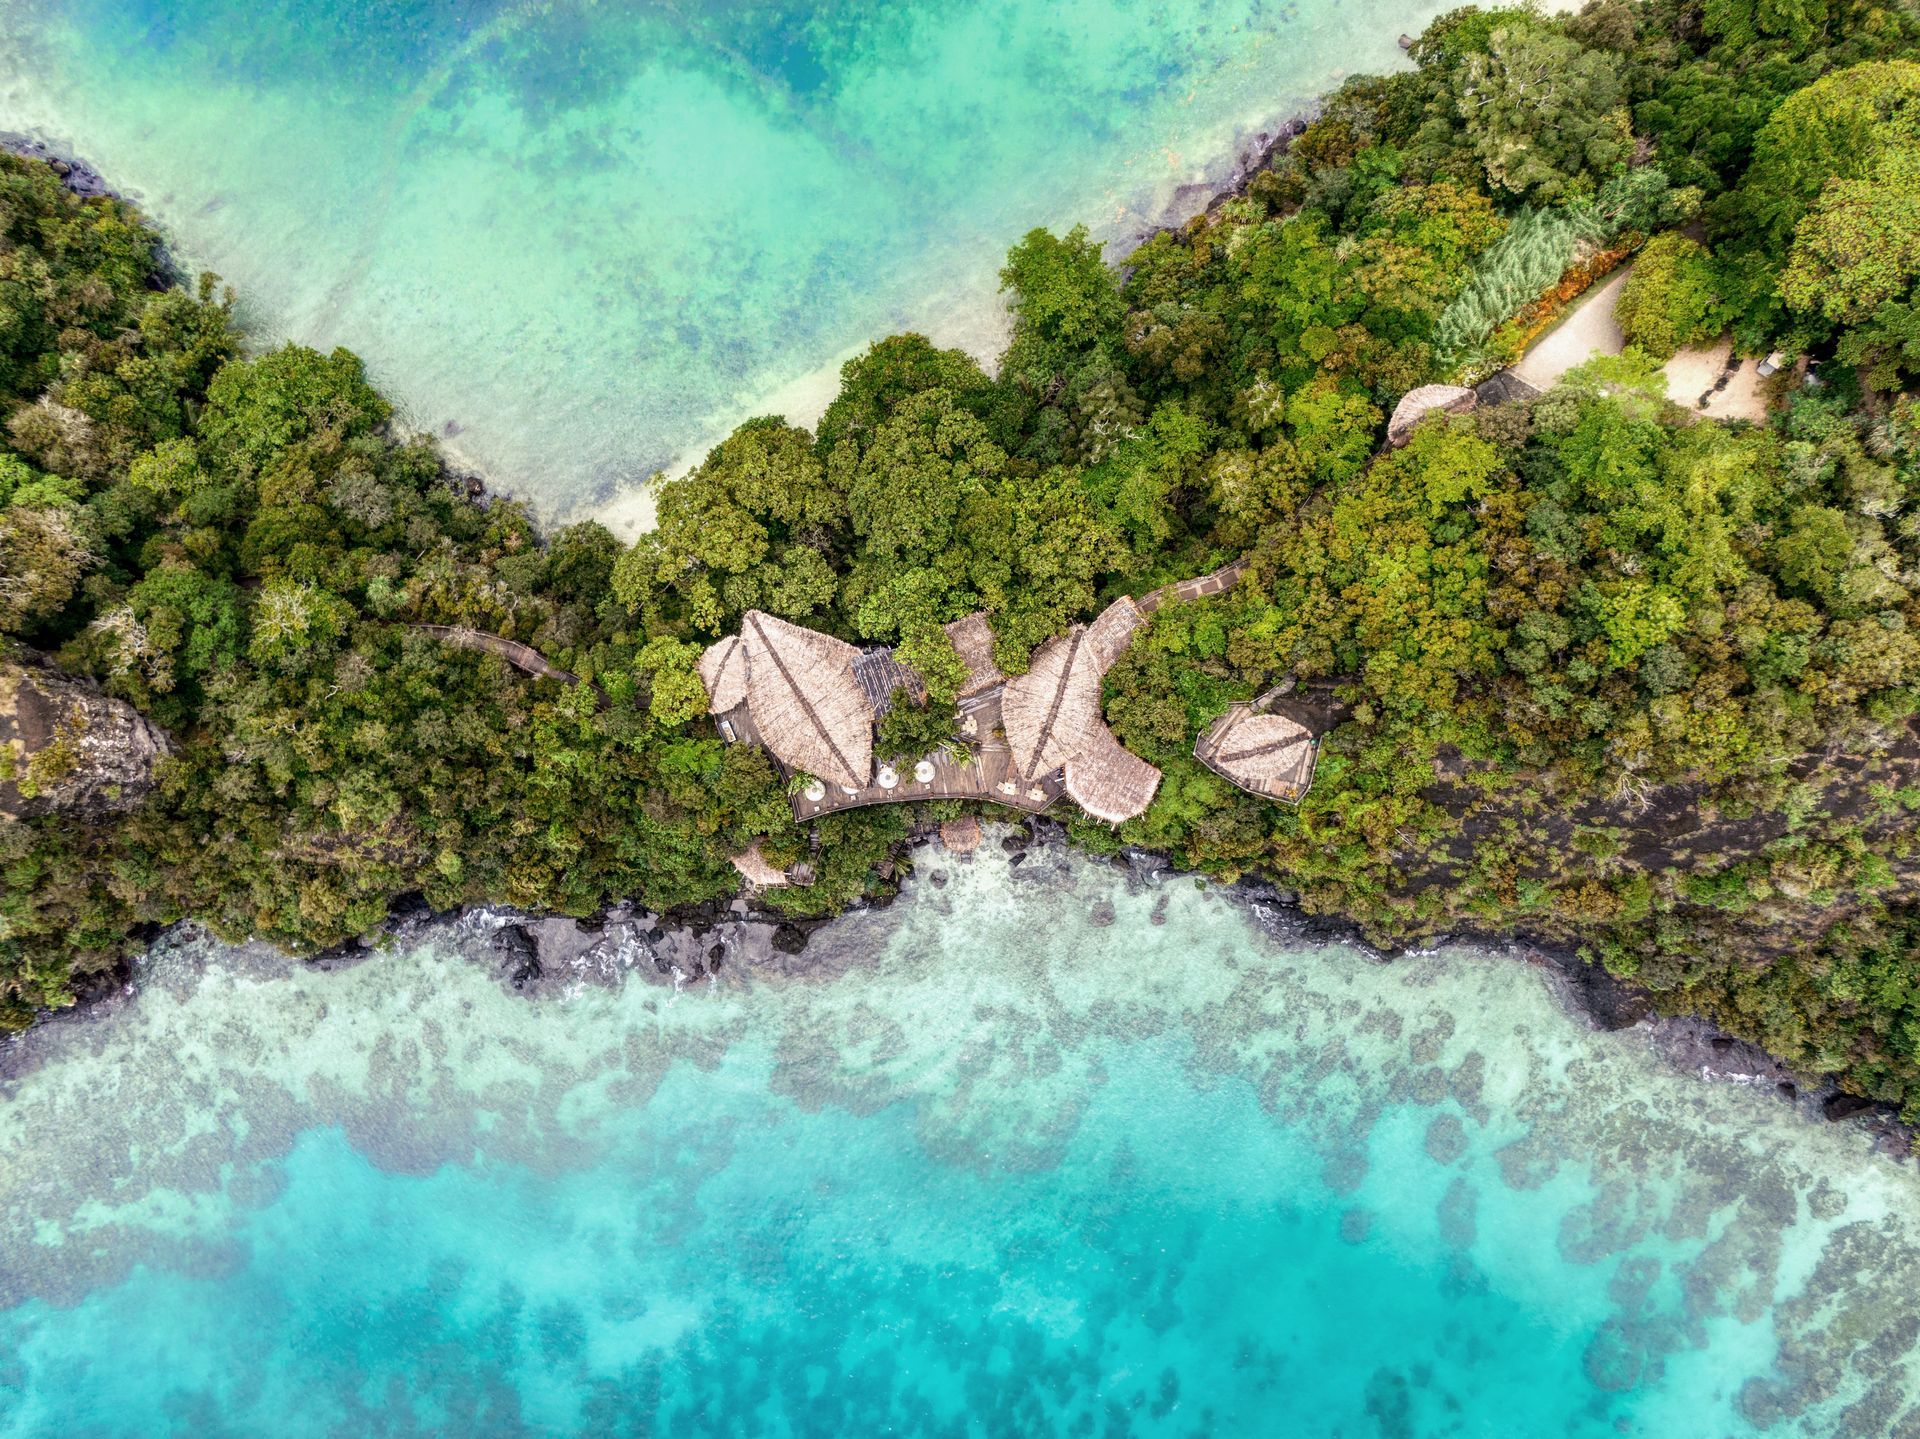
column 758, row 869
column 806, row 704
column 1109, row 781
column 1265, row 754
column 1111, row 633
column 961, row 836
column 723, row 669
column 1416, row 405
column 973, row 641
column 1052, row 712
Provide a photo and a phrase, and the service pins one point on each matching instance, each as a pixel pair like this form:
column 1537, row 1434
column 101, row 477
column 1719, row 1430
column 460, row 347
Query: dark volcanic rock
column 521, row 954
column 1844, row 1106
column 790, row 939
column 77, row 175
column 1611, row 1003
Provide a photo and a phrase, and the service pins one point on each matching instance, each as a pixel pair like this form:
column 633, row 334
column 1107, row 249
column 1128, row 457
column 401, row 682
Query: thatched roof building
column 961, row 836
column 1417, row 404
column 1052, row 712
column 813, row 701
column 1265, row 754
column 1052, row 718
column 757, row 869
column 806, row 704
column 723, row 669
column 1109, row 781
column 973, row 641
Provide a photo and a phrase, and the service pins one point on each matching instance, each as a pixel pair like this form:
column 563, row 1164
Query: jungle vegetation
column 1594, row 669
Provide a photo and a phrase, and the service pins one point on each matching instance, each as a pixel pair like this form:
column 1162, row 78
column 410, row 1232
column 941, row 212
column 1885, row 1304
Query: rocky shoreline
column 544, row 956
column 76, row 174
column 1253, row 154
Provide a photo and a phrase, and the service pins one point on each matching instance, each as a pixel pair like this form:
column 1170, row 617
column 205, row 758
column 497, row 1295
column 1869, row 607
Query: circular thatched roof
column 1416, row 405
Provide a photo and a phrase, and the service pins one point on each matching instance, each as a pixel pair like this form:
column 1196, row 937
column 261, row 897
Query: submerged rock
column 522, row 954
column 66, row 746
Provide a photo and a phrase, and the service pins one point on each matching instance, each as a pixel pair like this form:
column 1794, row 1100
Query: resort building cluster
column 815, row 703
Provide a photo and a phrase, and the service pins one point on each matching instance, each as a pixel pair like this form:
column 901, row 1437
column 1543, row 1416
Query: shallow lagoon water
column 1037, row 1150
column 580, row 240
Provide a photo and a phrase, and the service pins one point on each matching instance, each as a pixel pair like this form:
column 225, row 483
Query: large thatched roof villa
column 814, row 703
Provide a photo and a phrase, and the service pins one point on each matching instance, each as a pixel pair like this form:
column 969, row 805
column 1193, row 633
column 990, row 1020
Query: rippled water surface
column 1033, row 1151
column 579, row 238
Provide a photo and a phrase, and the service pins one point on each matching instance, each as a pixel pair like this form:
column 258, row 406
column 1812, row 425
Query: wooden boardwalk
column 989, row 776
column 1198, row 588
column 522, row 657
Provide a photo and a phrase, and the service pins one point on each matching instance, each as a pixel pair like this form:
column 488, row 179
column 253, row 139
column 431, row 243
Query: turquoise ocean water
column 581, row 239
column 1035, row 1151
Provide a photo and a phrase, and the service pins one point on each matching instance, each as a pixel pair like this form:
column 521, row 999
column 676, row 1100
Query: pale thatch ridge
column 758, row 869
column 1109, row 781
column 806, row 704
column 723, row 669
column 1111, row 633
column 880, row 673
column 973, row 641
column 1052, row 712
column 1264, row 754
column 1417, row 404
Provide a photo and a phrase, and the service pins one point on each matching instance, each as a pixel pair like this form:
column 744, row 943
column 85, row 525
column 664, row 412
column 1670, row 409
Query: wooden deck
column 990, row 776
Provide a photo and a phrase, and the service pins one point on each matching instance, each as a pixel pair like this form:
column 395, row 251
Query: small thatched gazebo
column 758, row 870
column 806, row 704
column 723, row 669
column 1264, row 754
column 1109, row 781
column 961, row 836
column 1416, row 405
column 973, row 641
column 1051, row 712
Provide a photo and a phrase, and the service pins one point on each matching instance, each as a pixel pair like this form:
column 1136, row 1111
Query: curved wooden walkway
column 522, row 657
column 1198, row 588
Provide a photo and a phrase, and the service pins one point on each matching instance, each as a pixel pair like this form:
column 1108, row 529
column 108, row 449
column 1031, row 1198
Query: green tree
column 1671, row 297
column 1838, row 128
column 1545, row 114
